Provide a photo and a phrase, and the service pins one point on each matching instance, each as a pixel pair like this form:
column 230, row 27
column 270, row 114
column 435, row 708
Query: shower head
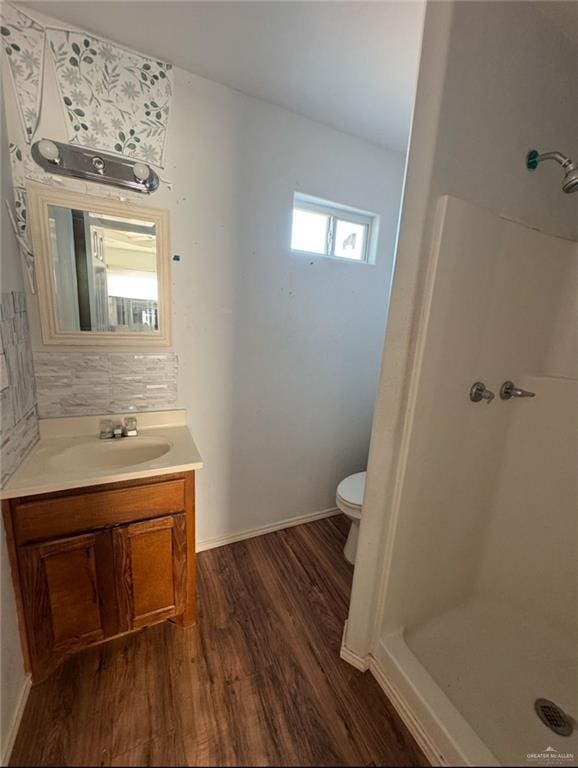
column 570, row 183
column 571, row 180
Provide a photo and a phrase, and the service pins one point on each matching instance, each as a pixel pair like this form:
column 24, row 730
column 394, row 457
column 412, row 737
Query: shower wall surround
column 71, row 86
column 19, row 425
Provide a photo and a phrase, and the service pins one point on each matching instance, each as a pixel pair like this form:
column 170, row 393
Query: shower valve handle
column 479, row 392
column 508, row 390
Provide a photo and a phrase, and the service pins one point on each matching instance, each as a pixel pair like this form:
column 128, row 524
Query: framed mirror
column 102, row 269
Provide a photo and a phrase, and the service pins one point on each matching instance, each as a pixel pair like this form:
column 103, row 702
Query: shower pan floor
column 493, row 660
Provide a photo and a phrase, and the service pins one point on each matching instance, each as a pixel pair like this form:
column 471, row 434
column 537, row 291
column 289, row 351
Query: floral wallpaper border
column 20, row 170
column 113, row 99
column 23, row 47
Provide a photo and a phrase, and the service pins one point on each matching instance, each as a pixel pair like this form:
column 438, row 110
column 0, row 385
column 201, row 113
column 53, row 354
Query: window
column 331, row 229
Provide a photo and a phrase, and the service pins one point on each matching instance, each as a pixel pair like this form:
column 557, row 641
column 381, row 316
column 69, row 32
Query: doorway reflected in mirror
column 105, row 271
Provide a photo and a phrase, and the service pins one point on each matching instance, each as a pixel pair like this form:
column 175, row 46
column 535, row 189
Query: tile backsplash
column 19, row 420
column 88, row 383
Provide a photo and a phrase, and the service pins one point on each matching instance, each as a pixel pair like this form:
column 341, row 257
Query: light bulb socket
column 141, row 171
column 49, row 151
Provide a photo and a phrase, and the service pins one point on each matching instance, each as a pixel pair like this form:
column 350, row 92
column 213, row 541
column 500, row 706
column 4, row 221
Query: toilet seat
column 349, row 496
column 350, row 510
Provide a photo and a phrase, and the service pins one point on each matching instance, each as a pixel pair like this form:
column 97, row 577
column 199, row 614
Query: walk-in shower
column 570, row 183
column 479, row 631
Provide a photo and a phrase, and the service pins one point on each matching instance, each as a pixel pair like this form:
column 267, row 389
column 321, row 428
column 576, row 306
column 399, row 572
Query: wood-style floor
column 258, row 681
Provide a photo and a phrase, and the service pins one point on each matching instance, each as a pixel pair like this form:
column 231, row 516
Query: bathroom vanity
column 101, row 534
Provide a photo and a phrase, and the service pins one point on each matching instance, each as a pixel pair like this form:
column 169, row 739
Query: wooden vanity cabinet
column 94, row 563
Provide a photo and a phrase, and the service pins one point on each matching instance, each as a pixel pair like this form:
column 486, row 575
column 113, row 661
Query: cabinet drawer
column 56, row 517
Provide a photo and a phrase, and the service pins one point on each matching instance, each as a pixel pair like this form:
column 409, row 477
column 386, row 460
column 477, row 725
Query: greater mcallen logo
column 550, row 754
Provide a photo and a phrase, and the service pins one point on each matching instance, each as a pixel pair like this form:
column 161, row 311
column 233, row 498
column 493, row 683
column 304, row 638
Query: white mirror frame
column 39, row 198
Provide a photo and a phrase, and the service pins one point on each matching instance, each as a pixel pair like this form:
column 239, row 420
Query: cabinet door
column 150, row 567
column 62, row 602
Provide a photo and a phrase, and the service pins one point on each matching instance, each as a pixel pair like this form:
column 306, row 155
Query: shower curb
column 414, row 726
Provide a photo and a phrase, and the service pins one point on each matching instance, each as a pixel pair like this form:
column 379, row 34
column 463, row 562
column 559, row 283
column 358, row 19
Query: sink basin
column 111, row 454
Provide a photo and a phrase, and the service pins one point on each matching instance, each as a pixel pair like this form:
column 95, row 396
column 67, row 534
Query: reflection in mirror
column 105, row 271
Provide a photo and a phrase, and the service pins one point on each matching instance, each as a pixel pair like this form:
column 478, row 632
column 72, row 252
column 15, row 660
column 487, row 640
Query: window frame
column 337, row 212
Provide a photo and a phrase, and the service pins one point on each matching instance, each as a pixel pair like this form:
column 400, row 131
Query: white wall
column 495, row 80
column 278, row 353
column 12, row 676
column 511, row 85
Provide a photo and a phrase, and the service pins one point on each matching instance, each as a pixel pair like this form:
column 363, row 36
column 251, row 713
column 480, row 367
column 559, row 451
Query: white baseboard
column 359, row 662
column 15, row 724
column 221, row 541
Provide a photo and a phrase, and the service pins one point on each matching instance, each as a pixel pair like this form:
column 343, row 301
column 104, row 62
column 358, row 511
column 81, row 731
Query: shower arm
column 534, row 157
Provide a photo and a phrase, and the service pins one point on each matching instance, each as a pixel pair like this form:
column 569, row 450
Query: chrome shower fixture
column 570, row 183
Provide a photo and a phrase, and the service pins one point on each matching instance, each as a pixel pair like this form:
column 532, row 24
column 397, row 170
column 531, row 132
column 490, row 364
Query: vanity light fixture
column 84, row 163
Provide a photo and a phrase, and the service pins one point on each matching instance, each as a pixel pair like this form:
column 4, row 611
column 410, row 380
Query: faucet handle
column 106, row 430
column 508, row 390
column 130, row 426
column 479, row 391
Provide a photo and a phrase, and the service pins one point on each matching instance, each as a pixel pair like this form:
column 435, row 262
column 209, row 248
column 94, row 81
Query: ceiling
column 350, row 65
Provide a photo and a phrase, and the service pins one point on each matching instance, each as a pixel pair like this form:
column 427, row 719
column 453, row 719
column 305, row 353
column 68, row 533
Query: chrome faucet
column 110, row 431
column 508, row 390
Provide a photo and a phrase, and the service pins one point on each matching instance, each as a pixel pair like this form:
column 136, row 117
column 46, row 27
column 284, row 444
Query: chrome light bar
column 91, row 165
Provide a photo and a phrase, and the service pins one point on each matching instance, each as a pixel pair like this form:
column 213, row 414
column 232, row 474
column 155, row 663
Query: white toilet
column 349, row 499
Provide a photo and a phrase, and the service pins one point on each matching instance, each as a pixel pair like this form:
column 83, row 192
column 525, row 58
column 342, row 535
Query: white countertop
column 70, row 454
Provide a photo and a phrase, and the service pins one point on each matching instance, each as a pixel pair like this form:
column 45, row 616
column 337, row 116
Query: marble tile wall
column 18, row 416
column 86, row 383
